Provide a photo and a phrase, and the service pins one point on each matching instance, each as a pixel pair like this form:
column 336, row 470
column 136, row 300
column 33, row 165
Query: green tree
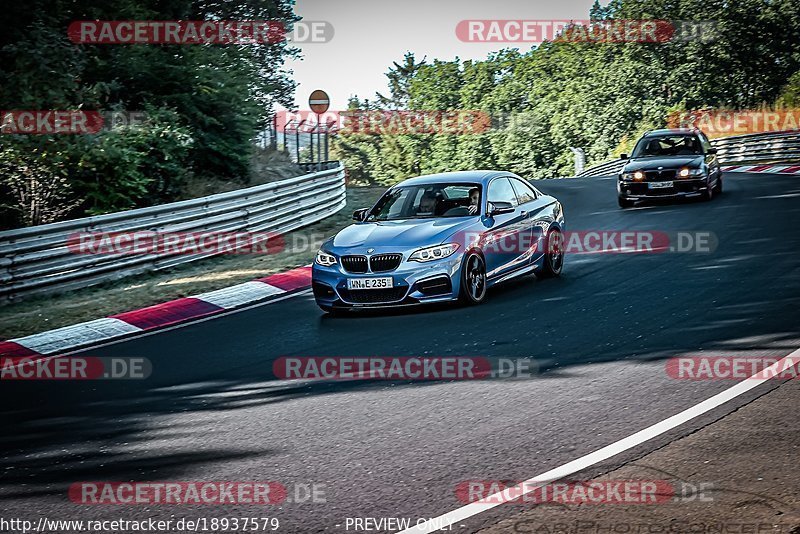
column 208, row 101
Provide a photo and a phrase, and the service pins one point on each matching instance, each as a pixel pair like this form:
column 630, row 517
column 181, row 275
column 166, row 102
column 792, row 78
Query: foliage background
column 204, row 105
column 596, row 96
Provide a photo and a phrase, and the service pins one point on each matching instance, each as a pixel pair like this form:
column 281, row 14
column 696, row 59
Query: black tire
column 718, row 186
column 473, row 279
column 624, row 202
column 708, row 194
column 554, row 254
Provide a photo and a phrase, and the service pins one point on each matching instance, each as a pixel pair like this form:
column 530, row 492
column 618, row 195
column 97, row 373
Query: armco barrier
column 770, row 147
column 37, row 259
column 604, row 169
column 775, row 147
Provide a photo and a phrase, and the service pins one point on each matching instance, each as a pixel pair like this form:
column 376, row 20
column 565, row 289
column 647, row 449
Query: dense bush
column 133, row 166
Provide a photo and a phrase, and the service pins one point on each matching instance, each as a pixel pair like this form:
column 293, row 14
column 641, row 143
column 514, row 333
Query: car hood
column 672, row 162
column 400, row 234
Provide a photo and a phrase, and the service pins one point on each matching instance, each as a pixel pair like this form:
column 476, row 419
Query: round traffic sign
column 319, row 101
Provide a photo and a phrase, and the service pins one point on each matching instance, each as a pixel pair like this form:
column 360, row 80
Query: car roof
column 476, row 176
column 670, row 131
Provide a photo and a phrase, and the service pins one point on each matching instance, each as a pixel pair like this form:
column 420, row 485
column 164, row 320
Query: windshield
column 427, row 201
column 668, row 145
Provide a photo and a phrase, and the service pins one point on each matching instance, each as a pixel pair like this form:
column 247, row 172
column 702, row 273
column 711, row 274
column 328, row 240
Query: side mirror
column 499, row 207
column 711, row 150
column 360, row 214
column 623, row 156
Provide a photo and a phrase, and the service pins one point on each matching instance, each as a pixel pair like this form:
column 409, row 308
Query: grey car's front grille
column 660, row 176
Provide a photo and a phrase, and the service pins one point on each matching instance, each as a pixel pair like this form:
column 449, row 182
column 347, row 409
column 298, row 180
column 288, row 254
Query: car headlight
column 686, row 172
column 638, row 175
column 325, row 259
column 433, row 253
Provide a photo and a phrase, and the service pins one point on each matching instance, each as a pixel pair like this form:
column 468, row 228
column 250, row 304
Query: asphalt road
column 212, row 409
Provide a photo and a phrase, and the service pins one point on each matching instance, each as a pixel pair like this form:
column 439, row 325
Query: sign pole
column 327, row 140
column 318, row 101
column 319, row 143
column 297, row 140
column 311, row 148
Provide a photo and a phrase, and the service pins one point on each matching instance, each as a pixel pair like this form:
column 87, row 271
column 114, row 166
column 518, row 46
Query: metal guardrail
column 771, row 147
column 604, row 169
column 38, row 260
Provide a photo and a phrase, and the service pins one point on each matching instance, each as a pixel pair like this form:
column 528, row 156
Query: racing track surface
column 213, row 411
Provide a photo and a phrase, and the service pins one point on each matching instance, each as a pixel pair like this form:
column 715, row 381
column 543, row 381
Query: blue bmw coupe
column 440, row 237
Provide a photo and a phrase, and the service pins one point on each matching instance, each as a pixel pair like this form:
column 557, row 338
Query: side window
column 500, row 190
column 525, row 193
column 705, row 142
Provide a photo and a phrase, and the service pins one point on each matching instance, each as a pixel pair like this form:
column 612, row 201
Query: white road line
column 509, row 494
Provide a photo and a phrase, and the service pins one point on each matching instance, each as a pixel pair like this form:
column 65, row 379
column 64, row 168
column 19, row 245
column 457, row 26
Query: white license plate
column 660, row 185
column 370, row 283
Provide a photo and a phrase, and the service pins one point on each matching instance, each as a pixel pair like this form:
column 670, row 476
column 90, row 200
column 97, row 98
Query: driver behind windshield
column 427, row 204
column 688, row 147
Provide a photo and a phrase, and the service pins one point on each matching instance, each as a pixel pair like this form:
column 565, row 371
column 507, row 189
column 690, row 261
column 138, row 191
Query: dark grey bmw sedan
column 670, row 163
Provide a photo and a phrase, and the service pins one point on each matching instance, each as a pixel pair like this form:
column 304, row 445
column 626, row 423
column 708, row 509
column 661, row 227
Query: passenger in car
column 474, row 201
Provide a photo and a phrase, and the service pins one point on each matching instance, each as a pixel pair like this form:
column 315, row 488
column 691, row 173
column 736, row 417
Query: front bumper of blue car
column 411, row 283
